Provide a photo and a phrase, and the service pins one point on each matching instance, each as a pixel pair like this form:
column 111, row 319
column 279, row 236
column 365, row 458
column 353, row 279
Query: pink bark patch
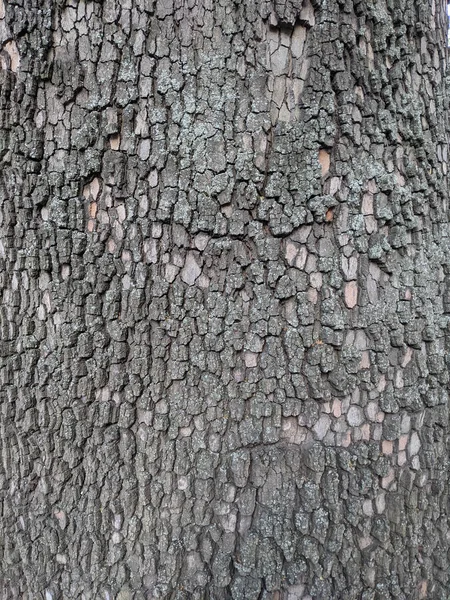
column 387, row 447
column 324, row 161
column 351, row 294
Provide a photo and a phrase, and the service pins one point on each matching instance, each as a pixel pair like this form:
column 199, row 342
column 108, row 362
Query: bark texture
column 224, row 254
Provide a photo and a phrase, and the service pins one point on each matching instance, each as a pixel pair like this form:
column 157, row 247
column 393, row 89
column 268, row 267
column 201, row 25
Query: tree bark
column 224, row 258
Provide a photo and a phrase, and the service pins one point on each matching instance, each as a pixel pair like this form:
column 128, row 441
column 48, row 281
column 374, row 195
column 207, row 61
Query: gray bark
column 224, row 254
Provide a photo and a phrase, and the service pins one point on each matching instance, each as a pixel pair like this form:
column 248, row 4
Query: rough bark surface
column 224, row 254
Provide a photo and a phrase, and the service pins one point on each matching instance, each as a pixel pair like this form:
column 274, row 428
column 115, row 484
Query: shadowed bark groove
column 224, row 258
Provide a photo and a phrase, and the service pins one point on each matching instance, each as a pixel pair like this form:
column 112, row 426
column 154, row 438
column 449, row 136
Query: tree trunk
column 224, row 254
